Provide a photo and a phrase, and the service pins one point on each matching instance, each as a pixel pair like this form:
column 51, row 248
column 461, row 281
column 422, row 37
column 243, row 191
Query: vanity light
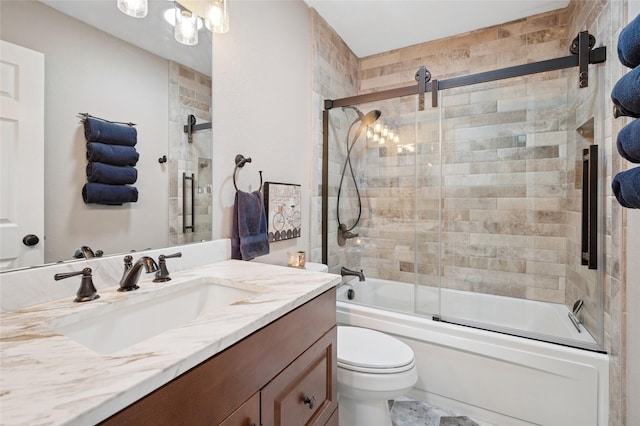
column 135, row 8
column 186, row 26
column 217, row 18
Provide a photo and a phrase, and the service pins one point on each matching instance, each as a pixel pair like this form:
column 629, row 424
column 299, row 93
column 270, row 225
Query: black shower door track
column 584, row 55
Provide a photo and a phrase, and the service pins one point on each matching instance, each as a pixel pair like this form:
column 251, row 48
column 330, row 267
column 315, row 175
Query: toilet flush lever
column 310, row 401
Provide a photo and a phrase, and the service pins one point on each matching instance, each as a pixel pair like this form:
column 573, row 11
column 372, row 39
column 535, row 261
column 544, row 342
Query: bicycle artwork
column 282, row 203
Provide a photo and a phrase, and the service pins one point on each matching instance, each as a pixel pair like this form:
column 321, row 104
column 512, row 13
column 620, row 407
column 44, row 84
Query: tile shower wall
column 334, row 76
column 189, row 93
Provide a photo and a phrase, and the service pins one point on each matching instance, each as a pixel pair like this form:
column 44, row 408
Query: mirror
column 105, row 63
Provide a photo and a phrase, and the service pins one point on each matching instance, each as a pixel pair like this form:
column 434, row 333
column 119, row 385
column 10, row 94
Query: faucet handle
column 163, row 274
column 87, row 290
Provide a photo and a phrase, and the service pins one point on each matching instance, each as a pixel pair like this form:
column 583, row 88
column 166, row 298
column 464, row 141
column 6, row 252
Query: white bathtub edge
column 590, row 370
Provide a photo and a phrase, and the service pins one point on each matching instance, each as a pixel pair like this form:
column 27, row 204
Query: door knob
column 30, row 240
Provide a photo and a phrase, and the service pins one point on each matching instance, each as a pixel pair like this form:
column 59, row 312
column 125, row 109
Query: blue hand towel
column 626, row 93
column 116, row 155
column 249, row 237
column 96, row 130
column 114, row 175
column 100, row 193
column 626, row 188
column 629, row 44
column 628, row 142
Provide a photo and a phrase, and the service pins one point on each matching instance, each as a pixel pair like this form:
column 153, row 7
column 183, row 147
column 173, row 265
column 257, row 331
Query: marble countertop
column 49, row 379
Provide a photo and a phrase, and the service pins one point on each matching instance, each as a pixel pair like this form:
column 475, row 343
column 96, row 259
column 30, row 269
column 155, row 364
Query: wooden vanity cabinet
column 282, row 375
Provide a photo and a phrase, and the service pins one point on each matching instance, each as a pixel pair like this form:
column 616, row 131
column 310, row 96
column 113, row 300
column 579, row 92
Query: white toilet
column 372, row 369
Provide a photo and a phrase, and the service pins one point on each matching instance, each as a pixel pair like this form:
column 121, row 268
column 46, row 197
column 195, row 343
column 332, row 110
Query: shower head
column 371, row 117
column 366, row 119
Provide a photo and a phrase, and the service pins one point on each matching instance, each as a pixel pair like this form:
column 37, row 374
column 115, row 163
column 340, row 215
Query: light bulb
column 396, row 139
column 369, row 133
column 186, row 30
column 376, row 137
column 217, row 19
column 377, row 127
column 385, row 131
column 135, row 8
column 382, row 140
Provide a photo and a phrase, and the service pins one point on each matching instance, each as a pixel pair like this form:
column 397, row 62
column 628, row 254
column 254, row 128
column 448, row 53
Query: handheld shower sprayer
column 344, row 232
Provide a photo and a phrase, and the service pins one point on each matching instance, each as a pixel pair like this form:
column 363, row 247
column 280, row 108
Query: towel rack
column 240, row 162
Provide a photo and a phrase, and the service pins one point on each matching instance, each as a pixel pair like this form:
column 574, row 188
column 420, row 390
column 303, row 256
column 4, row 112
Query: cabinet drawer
column 304, row 393
column 248, row 414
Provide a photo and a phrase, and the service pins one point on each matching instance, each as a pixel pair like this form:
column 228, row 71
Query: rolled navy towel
column 626, row 93
column 96, row 130
column 628, row 142
column 116, row 155
column 113, row 175
column 100, row 193
column 629, row 44
column 626, row 188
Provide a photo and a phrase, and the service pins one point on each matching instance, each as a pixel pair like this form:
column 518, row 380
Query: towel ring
column 240, row 162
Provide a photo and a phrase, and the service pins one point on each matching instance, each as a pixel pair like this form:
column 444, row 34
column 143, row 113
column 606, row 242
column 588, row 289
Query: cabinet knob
column 310, row 401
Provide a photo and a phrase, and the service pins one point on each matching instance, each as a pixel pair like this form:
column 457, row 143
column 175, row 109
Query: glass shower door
column 511, row 196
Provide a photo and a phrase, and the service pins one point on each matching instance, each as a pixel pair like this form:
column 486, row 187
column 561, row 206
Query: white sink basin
column 109, row 328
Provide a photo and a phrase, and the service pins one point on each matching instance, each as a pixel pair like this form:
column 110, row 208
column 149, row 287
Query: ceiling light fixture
column 186, row 26
column 135, row 8
column 217, row 17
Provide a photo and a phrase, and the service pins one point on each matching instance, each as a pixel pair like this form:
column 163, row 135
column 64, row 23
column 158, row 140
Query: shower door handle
column 185, row 179
column 590, row 207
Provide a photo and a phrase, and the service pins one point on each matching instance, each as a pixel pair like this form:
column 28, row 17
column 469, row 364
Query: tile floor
column 409, row 412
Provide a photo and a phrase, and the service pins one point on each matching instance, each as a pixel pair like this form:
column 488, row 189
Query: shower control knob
column 30, row 240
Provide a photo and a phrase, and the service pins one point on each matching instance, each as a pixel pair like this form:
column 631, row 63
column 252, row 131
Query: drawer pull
column 309, row 401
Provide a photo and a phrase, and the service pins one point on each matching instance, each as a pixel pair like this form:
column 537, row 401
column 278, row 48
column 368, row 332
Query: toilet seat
column 369, row 351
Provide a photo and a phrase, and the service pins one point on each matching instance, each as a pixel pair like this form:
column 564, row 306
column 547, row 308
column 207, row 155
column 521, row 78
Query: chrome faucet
column 345, row 271
column 132, row 272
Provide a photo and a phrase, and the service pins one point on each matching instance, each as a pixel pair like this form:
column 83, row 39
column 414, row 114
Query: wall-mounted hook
column 162, row 159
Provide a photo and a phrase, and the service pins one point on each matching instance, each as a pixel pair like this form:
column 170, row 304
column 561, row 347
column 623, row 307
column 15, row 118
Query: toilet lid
column 362, row 349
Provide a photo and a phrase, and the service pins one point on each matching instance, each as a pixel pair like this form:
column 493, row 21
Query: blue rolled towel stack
column 626, row 97
column 111, row 157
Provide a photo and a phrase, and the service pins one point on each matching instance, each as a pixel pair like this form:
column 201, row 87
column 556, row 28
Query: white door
column 21, row 156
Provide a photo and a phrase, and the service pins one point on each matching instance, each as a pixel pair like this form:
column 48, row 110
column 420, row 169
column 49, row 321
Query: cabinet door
column 248, row 414
column 305, row 392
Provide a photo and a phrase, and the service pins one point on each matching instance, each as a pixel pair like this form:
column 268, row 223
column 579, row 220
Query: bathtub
column 494, row 377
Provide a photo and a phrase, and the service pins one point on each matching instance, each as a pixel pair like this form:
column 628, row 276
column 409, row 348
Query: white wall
column 78, row 61
column 261, row 108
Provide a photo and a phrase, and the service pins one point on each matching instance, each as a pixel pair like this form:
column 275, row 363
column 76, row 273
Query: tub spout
column 345, row 271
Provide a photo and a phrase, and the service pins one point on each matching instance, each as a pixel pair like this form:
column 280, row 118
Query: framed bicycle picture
column 282, row 206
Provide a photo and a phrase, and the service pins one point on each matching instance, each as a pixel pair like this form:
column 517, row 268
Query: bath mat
column 412, row 413
column 457, row 421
